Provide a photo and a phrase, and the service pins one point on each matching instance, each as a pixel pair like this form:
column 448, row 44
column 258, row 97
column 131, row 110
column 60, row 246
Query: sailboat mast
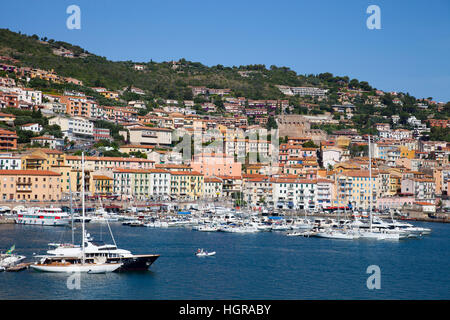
column 71, row 208
column 82, row 201
column 370, row 189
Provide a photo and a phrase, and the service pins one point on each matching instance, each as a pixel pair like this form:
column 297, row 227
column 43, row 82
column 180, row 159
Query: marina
column 266, row 265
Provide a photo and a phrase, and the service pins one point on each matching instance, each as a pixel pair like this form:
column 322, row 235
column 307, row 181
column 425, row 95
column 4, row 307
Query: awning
column 276, row 218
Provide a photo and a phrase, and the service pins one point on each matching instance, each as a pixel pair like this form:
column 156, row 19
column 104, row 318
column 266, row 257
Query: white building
column 138, row 104
column 74, row 127
column 34, row 127
column 401, row 134
column 49, row 141
column 330, row 157
column 28, row 95
column 9, row 162
column 294, row 193
column 212, row 187
column 148, row 135
column 324, row 193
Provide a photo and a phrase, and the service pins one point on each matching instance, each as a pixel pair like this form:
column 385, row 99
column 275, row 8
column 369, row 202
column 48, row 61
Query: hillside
column 164, row 79
column 171, row 80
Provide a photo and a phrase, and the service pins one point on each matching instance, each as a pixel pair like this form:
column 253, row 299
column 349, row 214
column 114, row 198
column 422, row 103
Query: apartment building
column 109, row 163
column 212, row 187
column 43, row 159
column 422, row 189
column 216, row 164
column 30, row 185
column 10, row 162
column 291, row 192
column 78, row 106
column 257, row 189
column 74, row 127
column 8, row 140
column 186, row 184
column 33, row 127
column 144, row 135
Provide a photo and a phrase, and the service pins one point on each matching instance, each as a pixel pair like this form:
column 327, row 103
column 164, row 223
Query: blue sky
column 410, row 53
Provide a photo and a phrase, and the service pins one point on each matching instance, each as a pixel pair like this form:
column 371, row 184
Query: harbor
column 261, row 265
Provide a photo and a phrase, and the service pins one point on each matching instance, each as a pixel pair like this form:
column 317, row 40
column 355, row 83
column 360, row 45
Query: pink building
column 216, row 164
column 394, row 202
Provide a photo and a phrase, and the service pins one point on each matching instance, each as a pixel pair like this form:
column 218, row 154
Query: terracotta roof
column 29, row 173
column 101, row 177
column 115, row 159
column 424, row 203
column 139, row 146
column 186, row 173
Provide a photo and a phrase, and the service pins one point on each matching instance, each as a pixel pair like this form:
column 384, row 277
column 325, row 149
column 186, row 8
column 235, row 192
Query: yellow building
column 101, row 184
column 345, row 167
column 253, row 168
column 76, row 182
column 355, row 188
column 187, row 184
column 43, row 159
column 110, row 94
column 136, row 148
column 64, row 171
column 406, row 153
column 343, row 142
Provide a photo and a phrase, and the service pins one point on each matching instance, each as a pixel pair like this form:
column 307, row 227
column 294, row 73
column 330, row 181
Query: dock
column 4, row 220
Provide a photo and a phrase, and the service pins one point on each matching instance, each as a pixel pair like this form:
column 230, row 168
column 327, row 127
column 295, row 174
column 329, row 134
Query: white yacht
column 208, row 228
column 76, row 262
column 9, row 259
column 104, row 252
column 302, row 224
column 338, row 234
column 280, row 227
column 43, row 216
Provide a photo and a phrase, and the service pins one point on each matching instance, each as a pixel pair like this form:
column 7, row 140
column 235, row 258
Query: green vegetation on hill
column 163, row 79
column 171, row 80
column 27, row 116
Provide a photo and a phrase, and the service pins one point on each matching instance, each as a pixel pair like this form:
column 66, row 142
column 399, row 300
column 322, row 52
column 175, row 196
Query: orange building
column 40, row 185
column 78, row 106
column 8, row 140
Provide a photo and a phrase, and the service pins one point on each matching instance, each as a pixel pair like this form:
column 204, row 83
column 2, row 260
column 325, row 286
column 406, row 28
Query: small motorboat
column 202, row 253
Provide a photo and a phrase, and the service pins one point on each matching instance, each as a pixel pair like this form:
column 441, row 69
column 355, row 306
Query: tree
column 271, row 123
column 309, row 144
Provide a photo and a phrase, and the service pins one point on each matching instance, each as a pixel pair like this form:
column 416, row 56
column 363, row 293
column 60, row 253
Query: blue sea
column 266, row 265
